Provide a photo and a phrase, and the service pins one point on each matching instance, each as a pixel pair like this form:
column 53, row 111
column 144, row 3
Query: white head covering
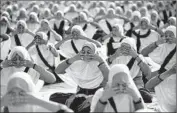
column 160, row 53
column 23, row 81
column 6, row 14
column 23, row 23
column 171, row 28
column 125, row 59
column 174, row 19
column 4, row 27
column 92, row 46
column 7, row 72
column 146, row 19
column 34, row 15
column 22, row 14
column 123, row 102
column 79, row 29
column 136, row 13
column 155, row 13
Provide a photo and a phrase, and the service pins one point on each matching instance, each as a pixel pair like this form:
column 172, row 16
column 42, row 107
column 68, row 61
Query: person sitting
column 165, row 89
column 120, row 94
column 87, row 71
column 21, row 96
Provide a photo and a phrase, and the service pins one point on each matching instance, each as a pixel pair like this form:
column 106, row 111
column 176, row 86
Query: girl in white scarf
column 144, row 35
column 79, row 38
column 159, row 50
column 155, row 20
column 123, row 91
column 88, row 71
column 20, row 60
column 22, row 96
column 22, row 14
column 71, row 12
column 21, row 36
column 132, row 59
column 33, row 22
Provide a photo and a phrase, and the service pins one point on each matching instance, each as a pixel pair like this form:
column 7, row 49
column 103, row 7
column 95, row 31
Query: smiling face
column 86, row 53
column 121, row 84
column 169, row 37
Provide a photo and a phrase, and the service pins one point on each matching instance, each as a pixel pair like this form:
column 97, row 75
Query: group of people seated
column 116, row 55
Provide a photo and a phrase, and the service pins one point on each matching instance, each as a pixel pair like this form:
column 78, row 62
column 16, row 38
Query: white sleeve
column 95, row 99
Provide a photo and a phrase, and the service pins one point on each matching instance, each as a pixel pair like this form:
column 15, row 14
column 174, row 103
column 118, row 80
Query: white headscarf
column 3, row 28
column 86, row 74
column 23, row 23
column 125, row 59
column 160, row 53
column 78, row 28
column 70, row 15
column 136, row 13
column 123, row 102
column 7, row 72
column 23, row 81
column 33, row 26
column 166, row 94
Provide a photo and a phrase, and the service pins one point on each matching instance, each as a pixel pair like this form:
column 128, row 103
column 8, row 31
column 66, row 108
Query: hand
column 109, row 92
column 103, row 84
column 133, row 53
column 160, row 41
column 150, row 26
column 85, row 104
column 79, row 56
column 125, row 51
column 132, row 92
column 118, row 52
column 28, row 63
column 6, row 100
column 7, row 63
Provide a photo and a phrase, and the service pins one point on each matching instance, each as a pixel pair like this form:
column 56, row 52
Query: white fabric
column 67, row 50
column 166, row 94
column 85, row 74
column 161, row 52
column 33, row 27
column 23, row 81
column 90, row 31
column 124, row 102
column 7, row 72
column 5, row 47
column 154, row 36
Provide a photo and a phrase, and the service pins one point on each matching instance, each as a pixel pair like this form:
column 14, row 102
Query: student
column 21, row 36
column 163, row 51
column 87, row 70
column 43, row 52
column 120, row 95
column 126, row 54
column 74, row 42
column 165, row 89
column 20, row 60
column 33, row 22
column 144, row 35
column 21, row 96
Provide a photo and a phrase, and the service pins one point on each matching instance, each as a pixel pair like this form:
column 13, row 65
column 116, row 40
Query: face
column 128, row 14
column 16, row 93
column 120, row 84
column 133, row 8
column 115, row 31
column 75, row 34
column 31, row 18
column 59, row 15
column 172, row 22
column 153, row 16
column 143, row 12
column 39, row 40
column 20, row 28
column 169, row 37
column 44, row 26
column 144, row 25
column 125, row 48
column 136, row 19
column 87, row 53
column 17, row 61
